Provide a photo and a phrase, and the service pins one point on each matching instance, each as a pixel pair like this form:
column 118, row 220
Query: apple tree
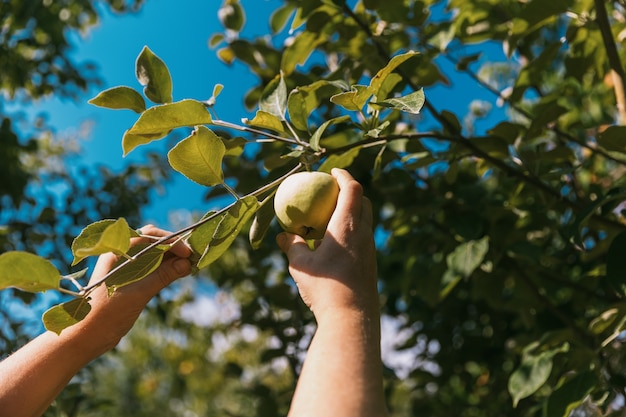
column 489, row 137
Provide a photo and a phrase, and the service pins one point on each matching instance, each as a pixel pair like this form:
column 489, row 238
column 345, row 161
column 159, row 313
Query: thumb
column 292, row 245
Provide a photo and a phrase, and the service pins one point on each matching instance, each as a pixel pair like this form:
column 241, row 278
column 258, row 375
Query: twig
column 190, row 228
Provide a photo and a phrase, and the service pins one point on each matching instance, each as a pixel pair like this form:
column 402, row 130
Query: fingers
column 292, row 245
column 349, row 203
column 169, row 271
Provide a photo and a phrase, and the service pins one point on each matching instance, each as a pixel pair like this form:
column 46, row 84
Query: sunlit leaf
column 379, row 79
column 199, row 157
column 274, row 98
column 120, row 98
column 228, row 229
column 136, row 269
column 102, row 237
column 533, row 372
column 299, row 51
column 468, row 256
column 342, row 160
column 265, row 120
column 159, row 120
column 280, row 16
column 411, row 103
column 130, row 141
column 353, row 100
column 28, row 272
column 201, row 236
column 153, row 74
column 64, row 315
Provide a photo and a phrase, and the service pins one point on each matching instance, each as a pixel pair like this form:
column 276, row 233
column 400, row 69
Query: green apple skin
column 304, row 203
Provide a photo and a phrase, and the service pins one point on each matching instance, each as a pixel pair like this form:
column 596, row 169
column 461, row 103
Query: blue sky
column 179, row 35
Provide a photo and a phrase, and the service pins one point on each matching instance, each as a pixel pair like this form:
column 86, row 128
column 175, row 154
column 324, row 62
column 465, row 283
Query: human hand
column 340, row 274
column 111, row 317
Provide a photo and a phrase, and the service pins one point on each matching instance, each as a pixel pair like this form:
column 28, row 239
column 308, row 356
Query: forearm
column 32, row 377
column 342, row 373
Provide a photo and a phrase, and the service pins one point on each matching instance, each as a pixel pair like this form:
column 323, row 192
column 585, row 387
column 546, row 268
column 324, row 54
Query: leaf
column 379, row 79
column 153, row 74
column 130, row 141
column 616, row 263
column 159, row 120
column 274, row 98
column 64, row 315
column 570, row 395
column 201, row 236
column 265, row 120
column 134, row 270
column 232, row 15
column 613, row 139
column 199, row 157
column 342, row 160
column 279, row 17
column 300, row 50
column 102, row 237
column 120, row 98
column 27, row 272
column 411, row 103
column 533, row 372
column 317, row 136
column 468, row 256
column 261, row 222
column 302, row 101
column 353, row 100
column 228, row 229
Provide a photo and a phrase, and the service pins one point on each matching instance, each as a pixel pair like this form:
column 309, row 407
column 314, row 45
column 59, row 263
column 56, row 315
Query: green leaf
column 265, row 120
column 159, row 120
column 102, row 237
column 570, row 395
column 274, row 98
column 352, row 100
column 261, row 222
column 302, row 101
column 342, row 160
column 411, row 103
column 130, row 141
column 492, row 146
column 153, row 74
column 299, row 51
column 201, row 236
column 468, row 256
column 64, row 315
column 232, row 15
column 228, row 229
column 120, row 98
column 136, row 269
column 317, row 136
column 279, row 17
column 379, row 79
column 533, row 372
column 199, row 157
column 613, row 139
column 28, row 272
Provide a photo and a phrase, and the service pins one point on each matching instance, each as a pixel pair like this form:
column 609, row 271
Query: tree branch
column 617, row 70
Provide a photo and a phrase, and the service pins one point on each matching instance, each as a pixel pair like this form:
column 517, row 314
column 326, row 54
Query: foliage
column 499, row 233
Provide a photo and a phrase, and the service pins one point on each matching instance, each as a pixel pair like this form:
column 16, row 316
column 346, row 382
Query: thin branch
column 230, row 125
column 617, row 70
column 194, row 226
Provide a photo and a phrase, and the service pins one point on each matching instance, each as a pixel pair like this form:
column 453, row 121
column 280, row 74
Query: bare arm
column 32, row 377
column 342, row 373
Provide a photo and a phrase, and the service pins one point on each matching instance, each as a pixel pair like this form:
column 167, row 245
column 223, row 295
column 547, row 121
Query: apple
column 304, row 203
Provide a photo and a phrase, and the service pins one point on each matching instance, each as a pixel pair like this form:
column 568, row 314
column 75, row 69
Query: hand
column 341, row 272
column 112, row 317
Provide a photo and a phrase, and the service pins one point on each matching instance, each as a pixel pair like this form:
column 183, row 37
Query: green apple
column 304, row 203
